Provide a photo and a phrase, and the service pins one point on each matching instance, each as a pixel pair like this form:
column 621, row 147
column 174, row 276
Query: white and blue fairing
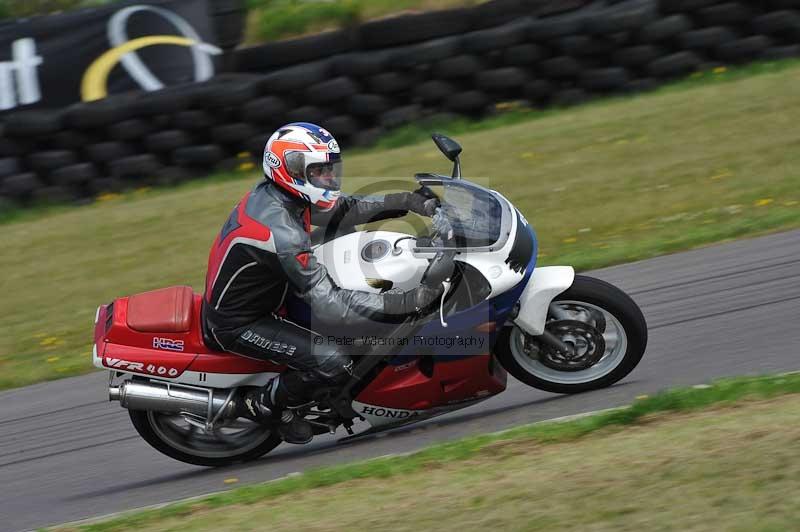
column 496, row 255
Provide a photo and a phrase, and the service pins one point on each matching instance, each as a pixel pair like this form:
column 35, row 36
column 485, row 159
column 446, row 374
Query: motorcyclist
column 264, row 250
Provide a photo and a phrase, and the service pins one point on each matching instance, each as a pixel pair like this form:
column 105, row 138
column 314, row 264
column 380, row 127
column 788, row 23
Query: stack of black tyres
column 361, row 82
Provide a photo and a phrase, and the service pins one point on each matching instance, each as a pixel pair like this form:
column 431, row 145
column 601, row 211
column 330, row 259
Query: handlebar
column 441, row 266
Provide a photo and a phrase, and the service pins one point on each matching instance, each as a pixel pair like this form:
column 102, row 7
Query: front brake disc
column 588, row 346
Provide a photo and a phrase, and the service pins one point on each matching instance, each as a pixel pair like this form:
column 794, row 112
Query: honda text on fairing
column 548, row 327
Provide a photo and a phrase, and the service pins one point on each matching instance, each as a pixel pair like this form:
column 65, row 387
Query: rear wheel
column 232, row 441
column 604, row 328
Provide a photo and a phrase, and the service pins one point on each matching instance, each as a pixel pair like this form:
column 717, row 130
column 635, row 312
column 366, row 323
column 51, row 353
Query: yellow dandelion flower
column 108, row 196
column 243, row 155
column 244, row 167
column 763, row 202
column 570, row 240
column 720, row 70
column 53, row 359
column 50, row 340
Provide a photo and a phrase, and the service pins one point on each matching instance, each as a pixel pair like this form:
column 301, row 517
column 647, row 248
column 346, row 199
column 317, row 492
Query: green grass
column 28, row 8
column 605, row 183
column 269, row 20
column 727, row 463
column 278, row 20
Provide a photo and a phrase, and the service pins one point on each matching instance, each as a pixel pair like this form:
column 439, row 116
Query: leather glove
column 422, row 201
column 441, row 268
column 414, row 301
column 426, row 296
column 418, row 300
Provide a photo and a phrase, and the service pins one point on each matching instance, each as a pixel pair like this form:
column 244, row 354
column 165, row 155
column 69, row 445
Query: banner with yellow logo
column 56, row 60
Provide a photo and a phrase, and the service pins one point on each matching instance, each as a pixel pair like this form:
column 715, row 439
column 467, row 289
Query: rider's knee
column 336, row 368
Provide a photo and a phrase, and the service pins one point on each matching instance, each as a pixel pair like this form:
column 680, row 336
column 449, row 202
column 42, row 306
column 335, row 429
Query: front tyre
column 236, row 440
column 604, row 327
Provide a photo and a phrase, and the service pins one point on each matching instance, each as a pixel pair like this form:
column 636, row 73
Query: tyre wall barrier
column 228, row 21
column 360, row 83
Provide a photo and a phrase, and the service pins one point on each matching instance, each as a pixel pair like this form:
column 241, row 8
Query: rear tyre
column 606, row 328
column 239, row 441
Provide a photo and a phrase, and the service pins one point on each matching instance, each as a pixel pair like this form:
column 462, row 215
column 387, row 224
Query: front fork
column 551, row 339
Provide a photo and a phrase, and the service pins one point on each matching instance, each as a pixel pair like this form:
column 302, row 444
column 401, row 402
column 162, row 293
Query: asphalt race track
column 66, row 453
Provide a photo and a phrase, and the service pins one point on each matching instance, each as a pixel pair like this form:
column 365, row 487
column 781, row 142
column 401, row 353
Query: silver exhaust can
column 171, row 398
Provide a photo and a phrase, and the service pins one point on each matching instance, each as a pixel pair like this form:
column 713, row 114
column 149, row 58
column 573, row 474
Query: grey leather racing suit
column 262, row 252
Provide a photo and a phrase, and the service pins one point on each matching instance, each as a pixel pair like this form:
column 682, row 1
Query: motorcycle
column 548, row 327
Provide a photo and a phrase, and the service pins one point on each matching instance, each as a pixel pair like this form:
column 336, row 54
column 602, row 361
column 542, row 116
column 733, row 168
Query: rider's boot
column 269, row 405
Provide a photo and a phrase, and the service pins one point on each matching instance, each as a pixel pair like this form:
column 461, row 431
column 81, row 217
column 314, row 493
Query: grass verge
column 606, row 183
column 715, row 463
column 269, row 20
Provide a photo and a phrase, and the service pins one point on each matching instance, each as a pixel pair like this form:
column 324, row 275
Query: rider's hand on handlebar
column 440, row 269
column 425, row 296
column 417, row 302
column 432, row 286
column 423, row 201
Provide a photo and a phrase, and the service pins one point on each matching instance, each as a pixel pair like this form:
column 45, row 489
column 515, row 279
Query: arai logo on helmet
column 333, row 146
column 272, row 160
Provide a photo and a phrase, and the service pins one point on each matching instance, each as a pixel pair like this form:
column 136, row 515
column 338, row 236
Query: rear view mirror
column 446, row 145
column 451, row 150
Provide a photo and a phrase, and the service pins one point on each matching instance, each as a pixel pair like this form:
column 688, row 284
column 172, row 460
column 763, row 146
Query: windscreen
column 474, row 212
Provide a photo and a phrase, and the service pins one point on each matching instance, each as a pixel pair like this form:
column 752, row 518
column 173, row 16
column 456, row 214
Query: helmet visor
column 327, row 176
column 295, row 164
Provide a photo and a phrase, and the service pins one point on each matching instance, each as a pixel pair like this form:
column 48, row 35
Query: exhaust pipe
column 172, row 399
column 114, row 393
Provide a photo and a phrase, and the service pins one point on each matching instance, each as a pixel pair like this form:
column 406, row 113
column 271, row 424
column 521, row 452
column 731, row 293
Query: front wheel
column 604, row 328
column 235, row 440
